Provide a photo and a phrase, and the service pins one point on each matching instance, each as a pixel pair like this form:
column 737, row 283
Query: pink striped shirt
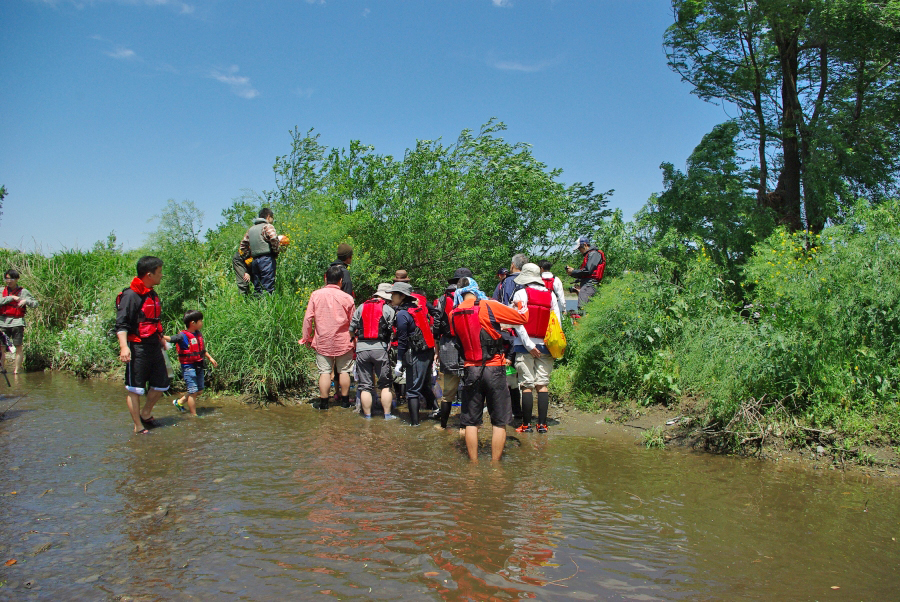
column 326, row 324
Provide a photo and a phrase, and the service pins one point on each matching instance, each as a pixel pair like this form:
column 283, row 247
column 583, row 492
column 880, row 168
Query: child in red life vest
column 191, row 354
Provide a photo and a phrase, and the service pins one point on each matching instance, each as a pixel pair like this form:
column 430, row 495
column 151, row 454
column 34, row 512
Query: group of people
column 488, row 353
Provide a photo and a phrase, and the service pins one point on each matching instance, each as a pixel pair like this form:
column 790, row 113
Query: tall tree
column 815, row 83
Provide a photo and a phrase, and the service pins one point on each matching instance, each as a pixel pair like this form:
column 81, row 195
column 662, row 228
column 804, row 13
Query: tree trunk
column 787, row 201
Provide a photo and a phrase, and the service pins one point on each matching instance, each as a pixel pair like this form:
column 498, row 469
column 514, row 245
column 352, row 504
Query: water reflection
column 288, row 503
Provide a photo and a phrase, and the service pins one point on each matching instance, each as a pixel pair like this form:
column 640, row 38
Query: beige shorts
column 533, row 371
column 342, row 363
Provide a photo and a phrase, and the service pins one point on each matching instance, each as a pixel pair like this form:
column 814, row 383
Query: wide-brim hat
column 401, row 276
column 384, row 291
column 460, row 273
column 530, row 274
column 403, row 288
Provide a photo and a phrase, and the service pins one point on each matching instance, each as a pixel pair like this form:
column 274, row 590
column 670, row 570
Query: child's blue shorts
column 193, row 377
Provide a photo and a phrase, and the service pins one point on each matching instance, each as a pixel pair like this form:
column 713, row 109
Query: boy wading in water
column 139, row 331
column 192, row 354
column 14, row 302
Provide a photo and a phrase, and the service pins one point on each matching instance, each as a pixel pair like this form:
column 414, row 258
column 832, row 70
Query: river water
column 288, row 503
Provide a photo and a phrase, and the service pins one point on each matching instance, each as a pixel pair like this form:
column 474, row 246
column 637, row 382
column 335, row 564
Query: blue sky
column 111, row 107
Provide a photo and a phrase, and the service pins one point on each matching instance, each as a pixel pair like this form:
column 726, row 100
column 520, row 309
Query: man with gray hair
column 508, row 287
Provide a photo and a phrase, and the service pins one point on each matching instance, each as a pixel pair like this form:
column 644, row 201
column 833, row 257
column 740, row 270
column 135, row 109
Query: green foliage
column 653, row 438
column 816, row 328
column 85, row 346
column 710, row 206
column 255, row 342
column 417, row 213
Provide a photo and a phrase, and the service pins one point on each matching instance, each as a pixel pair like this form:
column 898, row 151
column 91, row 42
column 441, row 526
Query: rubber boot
column 446, row 406
column 413, row 405
column 527, row 406
column 515, row 400
column 543, row 407
column 345, row 401
column 321, row 404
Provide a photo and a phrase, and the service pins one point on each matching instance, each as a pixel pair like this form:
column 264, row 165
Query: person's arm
column 271, row 237
column 308, row 323
column 521, row 297
column 356, row 320
column 244, row 247
column 403, row 322
column 560, row 294
column 211, row 360
column 509, row 316
column 581, row 274
column 26, row 298
column 126, row 321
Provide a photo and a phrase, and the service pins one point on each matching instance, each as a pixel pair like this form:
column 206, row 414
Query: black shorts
column 146, row 367
column 482, row 385
column 16, row 334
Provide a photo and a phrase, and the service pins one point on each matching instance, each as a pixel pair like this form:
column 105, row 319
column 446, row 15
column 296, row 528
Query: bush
column 255, row 342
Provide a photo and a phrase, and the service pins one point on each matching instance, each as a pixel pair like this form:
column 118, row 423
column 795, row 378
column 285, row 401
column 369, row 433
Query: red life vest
column 195, row 352
column 540, row 304
column 422, row 319
column 374, row 325
column 598, row 272
column 12, row 310
column 477, row 343
column 149, row 322
column 548, row 282
column 448, row 303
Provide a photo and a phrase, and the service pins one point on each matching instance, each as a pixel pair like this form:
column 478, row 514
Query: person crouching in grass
column 192, row 354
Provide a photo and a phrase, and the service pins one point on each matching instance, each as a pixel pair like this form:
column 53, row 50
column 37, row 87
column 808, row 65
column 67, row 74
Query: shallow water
column 290, row 503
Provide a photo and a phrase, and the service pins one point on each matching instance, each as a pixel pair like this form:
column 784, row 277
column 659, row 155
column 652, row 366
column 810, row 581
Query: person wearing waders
column 241, row 272
column 262, row 244
column 533, row 361
column 326, row 328
column 450, row 356
column 478, row 321
column 372, row 325
column 140, row 334
column 590, row 273
column 415, row 346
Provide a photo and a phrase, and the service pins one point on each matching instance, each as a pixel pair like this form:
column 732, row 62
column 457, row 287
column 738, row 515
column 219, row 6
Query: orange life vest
column 374, row 325
column 196, row 349
column 540, row 304
column 12, row 310
column 597, row 274
column 477, row 343
column 149, row 322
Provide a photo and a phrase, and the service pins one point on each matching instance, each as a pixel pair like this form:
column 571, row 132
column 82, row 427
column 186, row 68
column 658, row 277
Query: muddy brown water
column 287, row 503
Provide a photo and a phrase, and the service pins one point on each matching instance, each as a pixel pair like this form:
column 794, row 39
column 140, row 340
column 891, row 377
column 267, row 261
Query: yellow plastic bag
column 556, row 338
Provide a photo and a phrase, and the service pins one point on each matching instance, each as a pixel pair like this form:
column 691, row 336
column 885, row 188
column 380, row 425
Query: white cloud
column 122, row 53
column 367, row 12
column 523, row 67
column 181, row 7
column 304, row 92
column 239, row 84
column 502, row 3
column 315, row 1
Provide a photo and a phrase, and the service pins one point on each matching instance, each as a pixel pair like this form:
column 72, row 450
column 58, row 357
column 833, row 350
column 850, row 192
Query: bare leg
column 365, row 398
column 152, row 398
column 192, row 402
column 133, row 400
column 472, row 442
column 387, row 399
column 20, row 358
column 498, row 440
column 324, row 385
column 344, row 383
